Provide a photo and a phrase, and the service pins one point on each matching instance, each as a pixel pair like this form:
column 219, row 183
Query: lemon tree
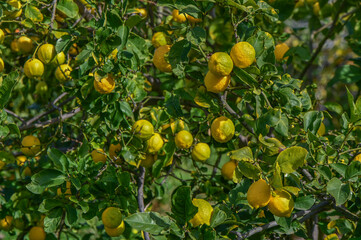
column 237, row 119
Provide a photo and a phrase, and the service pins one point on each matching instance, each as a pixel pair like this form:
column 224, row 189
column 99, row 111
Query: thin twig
column 346, row 213
column 14, row 115
column 141, row 179
column 53, row 16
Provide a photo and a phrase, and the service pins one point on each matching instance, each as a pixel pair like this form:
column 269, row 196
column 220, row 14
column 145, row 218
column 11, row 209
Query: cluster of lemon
column 113, row 221
column 35, row 233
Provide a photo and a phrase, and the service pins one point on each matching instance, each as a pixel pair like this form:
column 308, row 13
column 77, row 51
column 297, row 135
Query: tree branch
column 141, row 195
column 346, row 213
column 52, row 16
column 14, row 115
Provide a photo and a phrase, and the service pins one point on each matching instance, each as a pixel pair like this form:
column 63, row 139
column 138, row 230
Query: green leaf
column 244, row 154
column 291, row 159
column 182, row 206
column 126, row 109
column 335, row 107
column 123, row 33
column 33, row 13
column 304, row 203
column 353, row 170
column 48, row 178
column 276, row 181
column 312, row 121
column 354, row 113
column 340, row 168
column 4, row 131
column 49, row 204
column 14, row 129
column 68, row 7
column 151, row 222
column 63, row 44
column 338, row 190
column 173, row 107
column 7, row 87
column 197, row 35
column 59, row 159
column 244, row 77
column 218, row 217
column 178, row 54
column 346, row 74
column 248, row 170
column 71, row 215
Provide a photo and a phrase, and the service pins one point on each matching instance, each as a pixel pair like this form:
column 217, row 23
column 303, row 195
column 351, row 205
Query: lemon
column 160, row 39
column 2, row 164
column 2, row 66
column 33, row 68
column 148, row 160
column 14, row 45
column 99, row 155
column 358, row 158
column 184, row 139
column 222, row 129
column 159, row 58
column 322, row 129
column 175, row 125
column 332, row 236
column 15, row 13
column 37, row 233
column 192, row 19
column 25, row 44
column 46, row 53
column 113, row 152
column 220, row 64
column 181, row 18
column 62, row 73
column 228, row 169
column 20, row 160
column 142, row 11
column 281, row 203
column 112, row 217
column 74, row 50
column 104, row 85
column 41, row 87
column 115, row 232
column 259, row 194
column 143, row 129
column 216, row 84
column 316, row 8
column 280, row 51
column 155, row 143
column 6, row 223
column 243, row 54
column 26, row 172
column 201, row 152
column 30, row 145
column 204, row 214
column 2, row 36
column 58, row 60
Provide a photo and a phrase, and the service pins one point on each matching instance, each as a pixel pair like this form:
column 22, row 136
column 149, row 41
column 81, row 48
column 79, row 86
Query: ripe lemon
column 62, row 73
column 15, row 13
column 155, row 143
column 113, row 152
column 357, row 158
column 143, row 129
column 46, row 53
column 41, row 87
column 243, row 54
column 204, row 214
column 25, row 44
column 184, row 139
column 181, row 18
column 74, row 50
column 201, row 152
column 192, row 19
column 220, row 64
column 148, row 160
column 222, row 129
column 58, row 60
column 142, row 11
column 14, row 45
column 112, row 217
column 37, row 233
column 316, row 8
column 2, row 36
column 159, row 58
column 322, row 129
column 20, row 160
column 228, row 170
column 30, row 145
column 2, row 66
column 280, row 51
column 99, row 155
column 26, row 172
column 6, row 223
column 332, row 236
column 216, row 84
column 104, row 85
column 259, row 194
column 281, row 203
column 33, row 68
column 160, row 39
column 115, row 232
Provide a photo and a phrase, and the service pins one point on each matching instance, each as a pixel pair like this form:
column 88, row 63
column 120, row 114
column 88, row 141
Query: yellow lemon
column 20, row 160
column 160, row 39
column 16, row 13
column 143, row 129
column 115, row 232
column 243, row 54
column 280, row 51
column 259, row 194
column 37, row 233
column 46, row 53
column 25, row 44
column 33, row 68
column 204, row 214
column 6, row 223
column 112, row 217
column 222, row 129
column 155, row 143
column 281, row 203
column 14, row 45
column 228, row 169
column 332, row 236
column 142, row 11
column 322, row 129
column 62, row 73
column 159, row 58
column 148, row 160
column 58, row 60
column 113, row 152
column 181, row 18
column 216, row 84
column 104, row 85
column 192, row 19
column 2, row 66
column 220, row 64
column 99, row 155
column 316, row 8
column 184, row 139
column 2, row 36
column 201, row 152
column 357, row 158
column 30, row 145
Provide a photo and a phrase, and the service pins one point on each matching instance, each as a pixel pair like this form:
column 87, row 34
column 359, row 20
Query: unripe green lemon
column 115, row 232
column 112, row 217
column 41, row 87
